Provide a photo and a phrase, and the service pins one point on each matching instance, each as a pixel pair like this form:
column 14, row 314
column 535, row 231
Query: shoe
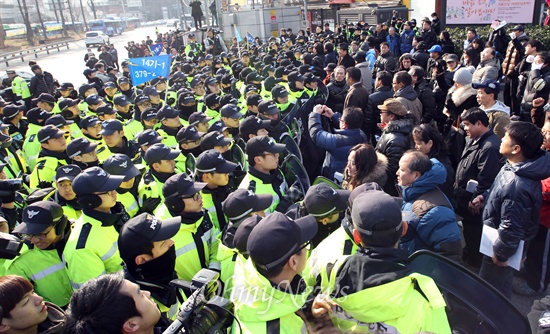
column 521, row 288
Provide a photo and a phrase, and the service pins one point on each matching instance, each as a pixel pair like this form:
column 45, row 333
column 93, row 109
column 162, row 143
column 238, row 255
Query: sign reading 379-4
column 148, row 68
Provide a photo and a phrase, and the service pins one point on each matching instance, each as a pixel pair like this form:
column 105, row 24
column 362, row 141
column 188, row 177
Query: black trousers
column 536, row 265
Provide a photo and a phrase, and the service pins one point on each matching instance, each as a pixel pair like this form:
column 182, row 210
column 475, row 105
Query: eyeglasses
column 146, row 104
column 110, row 192
column 38, row 236
column 189, row 142
column 195, row 197
column 269, row 153
column 307, row 246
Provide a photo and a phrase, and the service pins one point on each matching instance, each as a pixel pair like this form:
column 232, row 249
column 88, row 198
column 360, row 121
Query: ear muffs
column 174, row 204
column 90, row 201
column 61, row 225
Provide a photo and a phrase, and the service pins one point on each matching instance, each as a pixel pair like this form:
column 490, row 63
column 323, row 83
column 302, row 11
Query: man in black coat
column 427, row 33
column 358, row 96
column 344, row 58
column 382, row 91
column 42, row 82
column 425, row 94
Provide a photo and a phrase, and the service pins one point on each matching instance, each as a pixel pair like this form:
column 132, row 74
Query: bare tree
column 83, row 15
column 62, row 18
column 2, row 35
column 40, row 19
column 55, row 11
column 22, row 4
column 72, row 15
column 92, row 6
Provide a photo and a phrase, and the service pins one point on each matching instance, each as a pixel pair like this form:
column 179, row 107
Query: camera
column 10, row 246
column 204, row 311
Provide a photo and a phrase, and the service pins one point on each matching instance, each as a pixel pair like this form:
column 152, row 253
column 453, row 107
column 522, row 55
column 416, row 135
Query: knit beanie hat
column 463, row 77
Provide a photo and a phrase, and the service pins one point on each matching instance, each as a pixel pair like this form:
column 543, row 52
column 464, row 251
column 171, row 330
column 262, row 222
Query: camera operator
column 214, row 43
column 110, row 304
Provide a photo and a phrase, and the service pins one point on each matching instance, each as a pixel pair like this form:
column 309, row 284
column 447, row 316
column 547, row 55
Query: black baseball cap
column 122, row 80
column 212, row 161
column 148, row 137
column 181, row 185
column 121, row 164
column 240, row 239
column 48, row 132
column 217, row 126
column 150, row 91
column 231, row 111
column 87, row 72
column 45, row 97
column 141, row 99
column 149, row 114
column 211, row 100
column 89, row 121
column 67, row 173
column 66, row 86
column 84, row 88
column 378, row 215
column 158, row 152
column 228, row 99
column 276, row 238
column 250, row 88
column 66, row 103
column 144, row 229
column 188, row 133
column 93, row 99
column 321, row 200
column 11, row 110
column 213, row 139
column 158, row 80
column 110, row 126
column 38, row 216
column 242, row 202
column 295, row 76
column 58, row 121
column 268, row 107
column 107, row 109
column 167, row 112
column 258, row 145
column 279, row 91
column 79, row 146
column 251, row 125
column 95, row 180
column 109, row 84
column 198, row 117
column 121, row 100
column 253, row 100
column 492, row 85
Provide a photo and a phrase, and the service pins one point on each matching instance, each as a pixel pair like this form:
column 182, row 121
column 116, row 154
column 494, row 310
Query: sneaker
column 521, row 288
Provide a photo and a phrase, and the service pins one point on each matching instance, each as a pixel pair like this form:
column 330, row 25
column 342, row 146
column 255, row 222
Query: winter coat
column 421, row 58
column 385, row 62
column 528, row 113
column 409, row 98
column 337, row 92
column 430, row 216
column 331, row 57
column 395, row 140
column 107, row 58
column 499, row 38
column 337, row 144
column 346, row 61
column 486, row 70
column 514, row 53
column 393, row 42
column 513, row 203
column 460, row 99
column 366, row 75
column 371, row 58
column 429, row 37
column 196, row 10
column 447, row 47
column 499, row 118
column 426, row 97
column 377, row 174
column 405, row 41
column 43, row 83
column 480, row 161
column 55, row 322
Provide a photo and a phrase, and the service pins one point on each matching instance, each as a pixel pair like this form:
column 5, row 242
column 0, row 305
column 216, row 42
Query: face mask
column 536, row 66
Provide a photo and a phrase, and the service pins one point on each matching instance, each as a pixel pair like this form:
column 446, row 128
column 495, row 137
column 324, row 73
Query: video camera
column 10, row 246
column 204, row 311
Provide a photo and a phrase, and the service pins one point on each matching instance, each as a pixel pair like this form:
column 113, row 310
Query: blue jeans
column 499, row 277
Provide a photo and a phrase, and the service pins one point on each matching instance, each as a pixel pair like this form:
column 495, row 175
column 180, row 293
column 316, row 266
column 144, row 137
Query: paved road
column 68, row 65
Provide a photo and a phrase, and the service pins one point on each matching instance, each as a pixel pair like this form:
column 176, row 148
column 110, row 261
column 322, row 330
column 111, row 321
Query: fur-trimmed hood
column 461, row 94
column 378, row 174
column 403, row 125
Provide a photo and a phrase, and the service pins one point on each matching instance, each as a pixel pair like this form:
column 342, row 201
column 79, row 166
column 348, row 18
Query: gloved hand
column 7, row 190
column 150, row 204
column 294, row 193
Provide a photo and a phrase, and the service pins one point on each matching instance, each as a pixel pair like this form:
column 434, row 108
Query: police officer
column 31, row 146
column 51, row 156
column 19, row 88
column 83, row 153
column 200, row 121
column 189, row 140
column 11, row 155
column 106, row 112
column 65, row 195
column 231, row 117
column 13, row 117
column 45, row 230
column 127, row 194
column 69, row 111
column 47, row 102
column 161, row 163
column 125, row 114
column 154, row 96
column 196, row 242
column 113, row 135
column 91, row 128
column 92, row 247
column 253, row 126
column 170, row 125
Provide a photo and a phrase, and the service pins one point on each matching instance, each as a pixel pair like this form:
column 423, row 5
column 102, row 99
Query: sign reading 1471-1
column 148, row 68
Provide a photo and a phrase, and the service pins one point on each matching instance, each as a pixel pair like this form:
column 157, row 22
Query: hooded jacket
column 499, row 117
column 409, row 98
column 486, row 70
column 533, row 90
column 514, row 53
column 513, row 203
column 427, row 99
column 394, row 142
column 261, row 307
column 430, row 216
column 377, row 174
column 460, row 99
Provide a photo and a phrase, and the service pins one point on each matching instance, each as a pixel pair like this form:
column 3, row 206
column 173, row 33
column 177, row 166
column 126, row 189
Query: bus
column 109, row 27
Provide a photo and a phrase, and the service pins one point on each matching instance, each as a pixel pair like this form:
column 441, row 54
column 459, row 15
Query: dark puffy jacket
column 426, row 97
column 429, row 37
column 480, row 161
column 395, row 140
column 405, row 41
column 531, row 93
column 385, row 62
column 430, row 216
column 331, row 57
column 421, row 57
column 513, row 203
column 44, row 83
column 337, row 92
column 376, row 99
column 409, row 99
column 337, row 144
